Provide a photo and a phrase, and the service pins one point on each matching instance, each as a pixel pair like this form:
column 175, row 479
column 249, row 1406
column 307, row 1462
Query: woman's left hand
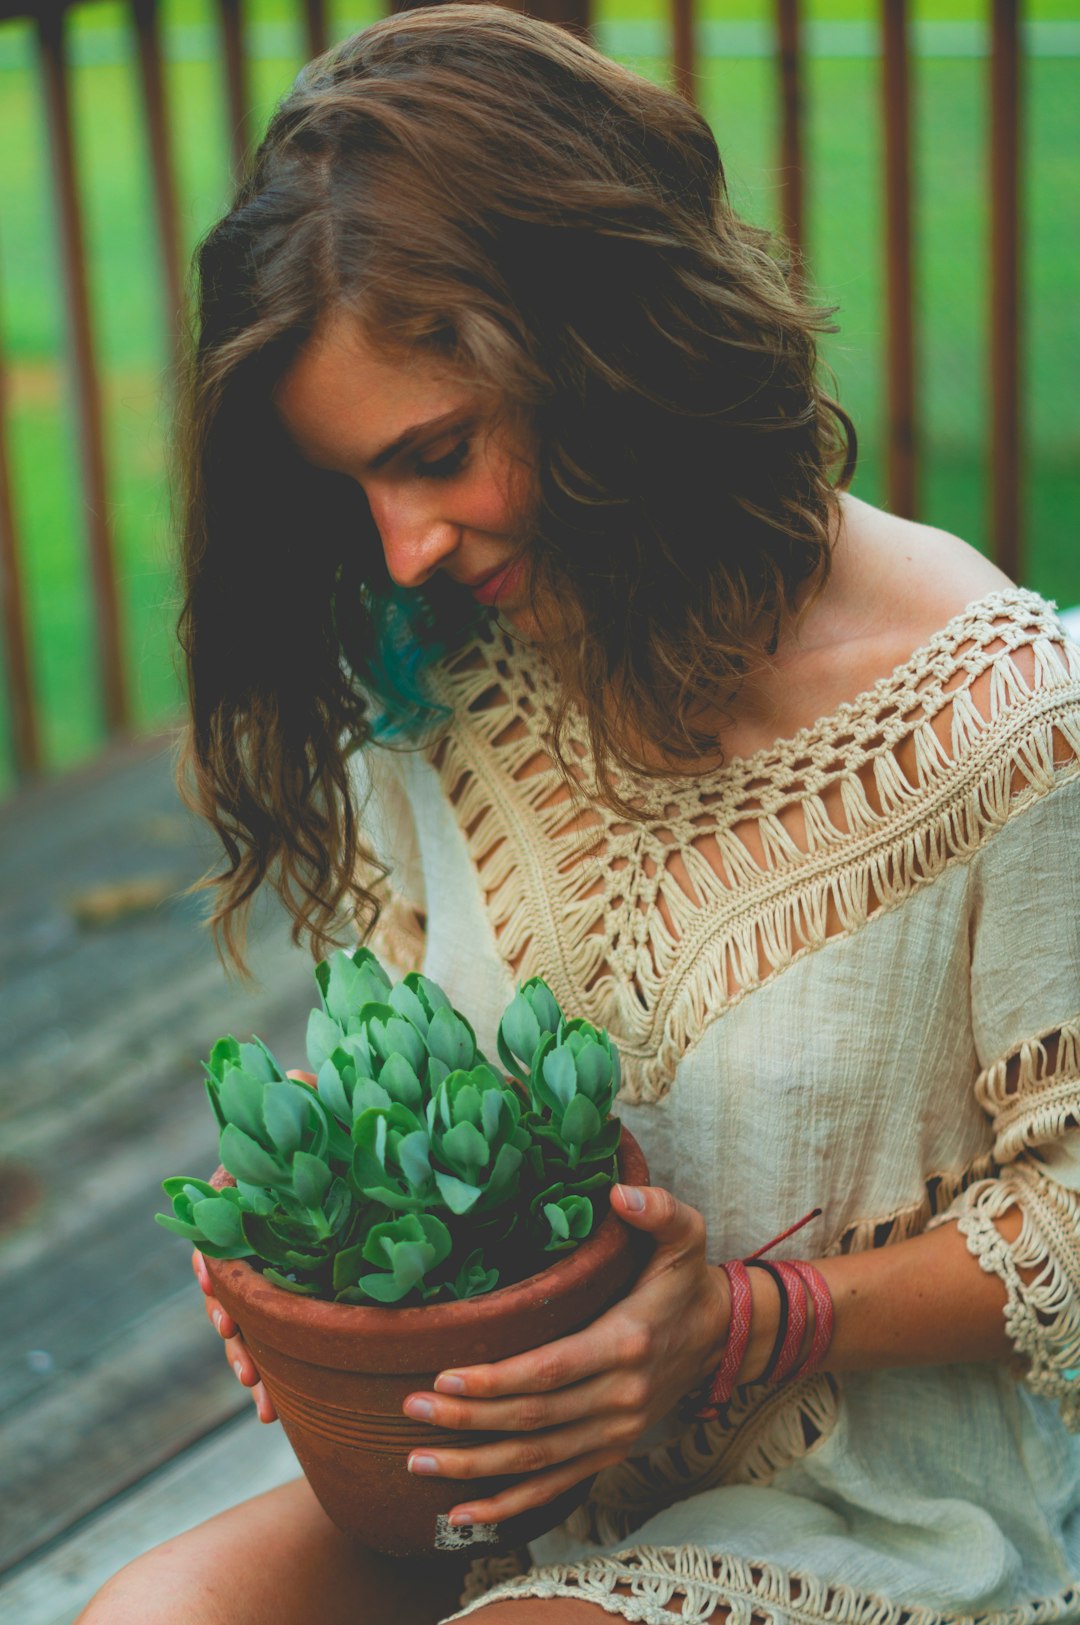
column 581, row 1403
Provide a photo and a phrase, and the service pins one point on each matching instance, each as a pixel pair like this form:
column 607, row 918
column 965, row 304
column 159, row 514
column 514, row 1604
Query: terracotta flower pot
column 338, row 1375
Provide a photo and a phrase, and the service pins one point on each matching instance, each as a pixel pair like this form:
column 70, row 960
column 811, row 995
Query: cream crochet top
column 844, row 972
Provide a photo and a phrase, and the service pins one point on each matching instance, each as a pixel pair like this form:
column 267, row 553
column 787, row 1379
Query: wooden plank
column 901, row 453
column 50, row 26
column 238, row 1460
column 161, row 1385
column 684, row 48
column 162, row 168
column 107, row 1365
column 22, row 711
column 1006, row 427
column 789, row 62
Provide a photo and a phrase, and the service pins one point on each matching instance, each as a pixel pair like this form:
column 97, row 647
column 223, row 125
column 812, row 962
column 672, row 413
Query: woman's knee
column 274, row 1560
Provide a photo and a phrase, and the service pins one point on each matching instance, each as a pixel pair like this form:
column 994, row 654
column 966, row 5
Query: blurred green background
column 739, row 94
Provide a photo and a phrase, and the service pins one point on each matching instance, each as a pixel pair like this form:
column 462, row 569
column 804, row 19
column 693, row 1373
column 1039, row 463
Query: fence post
column 50, row 29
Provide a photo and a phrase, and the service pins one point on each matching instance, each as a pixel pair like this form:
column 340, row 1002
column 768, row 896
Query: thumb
column 660, row 1213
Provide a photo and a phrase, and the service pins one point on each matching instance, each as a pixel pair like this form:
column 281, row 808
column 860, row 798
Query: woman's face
column 446, row 484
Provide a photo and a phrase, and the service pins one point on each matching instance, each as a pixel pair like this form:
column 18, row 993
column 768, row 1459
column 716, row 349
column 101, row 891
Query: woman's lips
column 500, row 585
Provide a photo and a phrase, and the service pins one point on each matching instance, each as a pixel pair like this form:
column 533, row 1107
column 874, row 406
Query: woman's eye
column 444, row 467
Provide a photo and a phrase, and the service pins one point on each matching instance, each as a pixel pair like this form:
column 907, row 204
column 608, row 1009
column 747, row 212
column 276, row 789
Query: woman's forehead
column 342, row 401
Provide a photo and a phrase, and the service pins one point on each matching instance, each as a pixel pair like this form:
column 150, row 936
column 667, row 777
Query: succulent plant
column 414, row 1169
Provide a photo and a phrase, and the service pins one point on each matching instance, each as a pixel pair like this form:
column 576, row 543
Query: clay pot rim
column 381, row 1321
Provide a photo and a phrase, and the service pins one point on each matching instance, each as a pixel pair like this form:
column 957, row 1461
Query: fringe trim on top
column 1029, row 1100
column 759, row 1432
column 578, row 906
column 1042, row 1316
column 752, row 1593
column 941, row 1190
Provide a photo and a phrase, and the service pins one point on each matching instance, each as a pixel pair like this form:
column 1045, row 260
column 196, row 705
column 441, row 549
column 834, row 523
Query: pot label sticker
column 448, row 1539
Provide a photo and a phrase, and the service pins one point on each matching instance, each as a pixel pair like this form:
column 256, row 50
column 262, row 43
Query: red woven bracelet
column 723, row 1383
column 797, row 1317
column 821, row 1298
column 801, row 1280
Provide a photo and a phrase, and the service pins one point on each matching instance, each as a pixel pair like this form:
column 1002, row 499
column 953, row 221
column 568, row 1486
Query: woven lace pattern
column 655, row 929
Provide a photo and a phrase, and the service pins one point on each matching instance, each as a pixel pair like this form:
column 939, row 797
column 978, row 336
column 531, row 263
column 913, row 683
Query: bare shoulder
column 911, row 577
column 894, row 585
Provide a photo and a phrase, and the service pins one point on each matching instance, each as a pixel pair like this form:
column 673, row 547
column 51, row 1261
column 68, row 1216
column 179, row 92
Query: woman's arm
column 924, row 1301
column 569, row 1408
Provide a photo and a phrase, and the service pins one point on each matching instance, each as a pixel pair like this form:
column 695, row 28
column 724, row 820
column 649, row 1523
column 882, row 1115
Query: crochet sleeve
column 1025, row 944
column 389, row 830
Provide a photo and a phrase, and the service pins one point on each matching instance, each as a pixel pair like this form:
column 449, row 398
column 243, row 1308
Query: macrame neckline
column 923, row 661
column 588, row 906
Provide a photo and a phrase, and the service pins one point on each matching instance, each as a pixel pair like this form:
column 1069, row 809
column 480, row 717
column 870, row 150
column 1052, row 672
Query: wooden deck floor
column 120, row 1423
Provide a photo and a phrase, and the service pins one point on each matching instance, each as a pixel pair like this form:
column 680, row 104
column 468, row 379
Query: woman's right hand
column 235, row 1347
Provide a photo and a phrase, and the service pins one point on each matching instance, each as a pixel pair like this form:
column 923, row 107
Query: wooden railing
column 901, row 383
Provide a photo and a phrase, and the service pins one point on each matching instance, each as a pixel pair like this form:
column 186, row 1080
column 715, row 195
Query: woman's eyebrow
column 410, row 435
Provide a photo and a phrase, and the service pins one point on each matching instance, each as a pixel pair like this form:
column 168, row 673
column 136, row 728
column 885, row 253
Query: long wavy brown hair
column 477, row 185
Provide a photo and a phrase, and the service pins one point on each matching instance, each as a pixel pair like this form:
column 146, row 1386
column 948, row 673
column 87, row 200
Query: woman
column 517, row 521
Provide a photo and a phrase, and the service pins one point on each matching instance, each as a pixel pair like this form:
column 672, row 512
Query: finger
column 264, row 1405
column 616, row 1340
column 533, row 1453
column 671, row 1222
column 240, row 1360
column 533, row 1492
column 222, row 1322
column 521, row 1414
column 198, row 1264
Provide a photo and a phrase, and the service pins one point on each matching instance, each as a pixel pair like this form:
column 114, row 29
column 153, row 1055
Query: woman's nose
column 415, row 539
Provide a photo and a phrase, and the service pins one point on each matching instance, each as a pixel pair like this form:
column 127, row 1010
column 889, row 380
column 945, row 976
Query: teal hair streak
column 408, row 643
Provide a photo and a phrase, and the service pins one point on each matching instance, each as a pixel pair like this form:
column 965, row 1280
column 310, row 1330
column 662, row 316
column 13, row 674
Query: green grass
column 738, row 95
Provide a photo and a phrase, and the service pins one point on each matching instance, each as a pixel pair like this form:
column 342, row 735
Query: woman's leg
column 275, row 1560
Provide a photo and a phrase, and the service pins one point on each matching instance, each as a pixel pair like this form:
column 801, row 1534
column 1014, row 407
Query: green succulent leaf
column 458, row 1196
column 473, row 1278
column 570, row 1219
column 241, row 1099
column 192, row 1189
column 225, row 1053
column 219, row 1220
column 311, row 1179
column 247, row 1160
column 257, row 1061
column 265, row 1239
column 287, row 1109
column 413, row 1156
column 324, row 1036
column 400, row 1080
column 560, row 1075
column 465, row 1148
column 304, row 1289
column 450, row 1039
column 380, row 1288
column 580, row 1122
column 332, row 1090
column 519, row 1033
column 254, row 1198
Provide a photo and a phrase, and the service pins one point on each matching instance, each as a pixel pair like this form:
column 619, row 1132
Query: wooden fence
column 1002, row 339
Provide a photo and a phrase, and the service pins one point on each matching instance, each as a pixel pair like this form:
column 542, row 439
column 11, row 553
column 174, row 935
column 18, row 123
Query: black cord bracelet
column 781, row 1332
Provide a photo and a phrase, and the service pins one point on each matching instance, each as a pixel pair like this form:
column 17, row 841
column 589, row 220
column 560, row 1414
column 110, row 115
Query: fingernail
column 632, row 1198
column 238, row 1367
column 448, row 1383
column 423, row 1464
column 422, row 1409
column 459, row 1519
column 216, row 1317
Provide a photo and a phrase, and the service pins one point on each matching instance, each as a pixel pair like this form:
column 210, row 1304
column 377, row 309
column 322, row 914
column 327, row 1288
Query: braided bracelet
column 798, row 1283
